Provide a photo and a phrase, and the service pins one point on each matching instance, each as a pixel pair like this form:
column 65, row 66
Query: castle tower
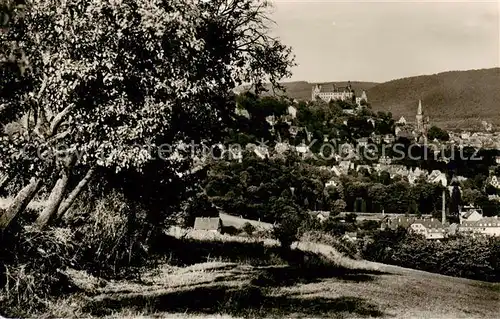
column 315, row 91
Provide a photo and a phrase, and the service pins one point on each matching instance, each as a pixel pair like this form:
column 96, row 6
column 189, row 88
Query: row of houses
column 472, row 222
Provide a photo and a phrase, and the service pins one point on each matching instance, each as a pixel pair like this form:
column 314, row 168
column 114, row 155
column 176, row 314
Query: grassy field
column 221, row 277
column 237, row 222
column 211, row 275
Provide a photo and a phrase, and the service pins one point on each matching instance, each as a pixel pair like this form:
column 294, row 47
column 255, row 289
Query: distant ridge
column 452, row 100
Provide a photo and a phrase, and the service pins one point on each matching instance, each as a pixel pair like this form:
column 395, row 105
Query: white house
column 331, row 183
column 350, row 236
column 302, row 148
column 337, row 170
column 281, row 148
column 470, row 214
column 438, row 177
column 320, row 215
column 430, row 228
column 261, row 151
column 494, row 182
column 213, row 224
column 401, row 121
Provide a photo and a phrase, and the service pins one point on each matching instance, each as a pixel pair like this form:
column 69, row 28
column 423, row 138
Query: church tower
column 420, row 119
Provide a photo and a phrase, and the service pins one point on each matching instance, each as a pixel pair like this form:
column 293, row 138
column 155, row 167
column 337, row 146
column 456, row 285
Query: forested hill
column 453, row 100
column 457, row 99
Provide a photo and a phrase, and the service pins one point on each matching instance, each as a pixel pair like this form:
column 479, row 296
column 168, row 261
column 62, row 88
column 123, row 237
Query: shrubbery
column 116, row 233
column 475, row 258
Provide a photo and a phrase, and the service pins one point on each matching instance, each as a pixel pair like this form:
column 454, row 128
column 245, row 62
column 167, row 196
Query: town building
column 401, row 121
column 350, row 236
column 429, row 228
column 470, row 214
column 437, row 176
column 493, row 181
column 331, row 183
column 487, row 226
column 321, row 216
column 397, row 222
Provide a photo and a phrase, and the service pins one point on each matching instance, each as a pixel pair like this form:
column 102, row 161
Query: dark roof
column 328, row 88
column 402, row 221
column 467, row 215
column 429, row 223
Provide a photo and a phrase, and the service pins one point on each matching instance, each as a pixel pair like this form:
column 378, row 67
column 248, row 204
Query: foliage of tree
column 152, row 73
column 254, row 187
column 438, row 133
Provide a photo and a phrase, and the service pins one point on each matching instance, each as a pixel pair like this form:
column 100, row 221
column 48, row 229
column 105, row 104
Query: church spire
column 419, row 111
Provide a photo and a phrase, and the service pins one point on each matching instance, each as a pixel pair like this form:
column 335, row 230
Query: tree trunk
column 66, row 204
column 55, row 198
column 4, row 179
column 20, row 202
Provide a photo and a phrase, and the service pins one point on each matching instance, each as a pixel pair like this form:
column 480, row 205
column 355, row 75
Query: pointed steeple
column 419, row 111
column 364, row 97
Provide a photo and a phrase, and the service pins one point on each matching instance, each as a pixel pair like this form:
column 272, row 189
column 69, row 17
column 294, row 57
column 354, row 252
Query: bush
column 108, row 237
column 248, row 228
column 462, row 256
column 114, row 235
column 32, row 270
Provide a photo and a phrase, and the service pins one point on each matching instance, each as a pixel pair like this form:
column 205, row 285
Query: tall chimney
column 443, row 213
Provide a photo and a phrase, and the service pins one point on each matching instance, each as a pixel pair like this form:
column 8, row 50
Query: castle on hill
column 334, row 93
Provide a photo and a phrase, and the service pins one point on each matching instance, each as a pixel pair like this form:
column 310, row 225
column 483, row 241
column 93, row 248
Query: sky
column 385, row 40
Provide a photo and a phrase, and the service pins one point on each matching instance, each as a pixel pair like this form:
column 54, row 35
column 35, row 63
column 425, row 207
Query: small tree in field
column 287, row 231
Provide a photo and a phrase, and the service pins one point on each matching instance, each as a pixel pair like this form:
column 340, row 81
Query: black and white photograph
column 233, row 159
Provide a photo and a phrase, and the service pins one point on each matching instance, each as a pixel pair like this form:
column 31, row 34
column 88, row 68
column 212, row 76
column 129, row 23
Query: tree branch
column 54, row 125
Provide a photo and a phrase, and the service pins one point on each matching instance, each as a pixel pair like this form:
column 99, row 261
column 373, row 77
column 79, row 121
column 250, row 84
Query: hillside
column 457, row 99
column 453, row 100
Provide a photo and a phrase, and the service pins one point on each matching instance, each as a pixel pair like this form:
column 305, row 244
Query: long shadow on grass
column 304, row 274
column 185, row 252
column 297, row 266
column 249, row 301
